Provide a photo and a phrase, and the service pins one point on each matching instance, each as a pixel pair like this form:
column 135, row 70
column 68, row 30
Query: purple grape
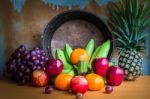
column 33, row 53
column 21, row 68
column 22, row 47
column 20, row 74
column 39, row 67
column 13, row 62
column 18, row 55
column 38, row 52
column 27, row 57
column 33, row 58
column 48, row 89
column 108, row 89
column 18, row 61
column 25, row 52
column 36, row 62
column 46, row 59
column 43, row 54
column 23, row 62
column 41, row 63
column 36, row 48
column 20, row 50
column 33, row 68
column 42, row 58
column 79, row 96
column 43, row 68
column 10, row 68
column 39, row 56
column 30, row 64
column 27, row 71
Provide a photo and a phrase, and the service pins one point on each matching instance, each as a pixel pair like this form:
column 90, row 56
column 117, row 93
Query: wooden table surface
column 139, row 89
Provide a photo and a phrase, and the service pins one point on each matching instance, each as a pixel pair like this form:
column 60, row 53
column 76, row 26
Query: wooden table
column 139, row 89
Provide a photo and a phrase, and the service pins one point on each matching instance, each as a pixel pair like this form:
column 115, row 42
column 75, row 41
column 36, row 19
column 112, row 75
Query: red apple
column 79, row 84
column 115, row 76
column 54, row 67
column 100, row 66
column 39, row 78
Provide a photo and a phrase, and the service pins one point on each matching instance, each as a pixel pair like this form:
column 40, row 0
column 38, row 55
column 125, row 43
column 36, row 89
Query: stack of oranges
column 95, row 82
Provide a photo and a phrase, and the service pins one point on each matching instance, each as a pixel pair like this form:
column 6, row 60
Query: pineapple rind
column 131, row 63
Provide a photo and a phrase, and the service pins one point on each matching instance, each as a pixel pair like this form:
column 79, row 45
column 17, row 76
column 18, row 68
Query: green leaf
column 126, row 26
column 144, row 37
column 131, row 37
column 136, row 7
column 116, row 8
column 115, row 17
column 127, row 11
column 145, row 11
column 146, row 24
column 120, row 30
column 123, row 7
column 117, row 35
column 121, row 41
column 130, row 6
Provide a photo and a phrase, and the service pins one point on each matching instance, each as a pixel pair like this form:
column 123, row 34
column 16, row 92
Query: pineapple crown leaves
column 128, row 20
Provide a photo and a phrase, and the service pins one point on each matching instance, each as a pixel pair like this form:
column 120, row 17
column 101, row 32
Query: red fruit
column 39, row 78
column 108, row 89
column 48, row 89
column 79, row 84
column 100, row 66
column 115, row 76
column 54, row 67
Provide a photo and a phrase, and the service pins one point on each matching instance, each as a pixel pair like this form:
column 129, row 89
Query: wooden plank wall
column 27, row 26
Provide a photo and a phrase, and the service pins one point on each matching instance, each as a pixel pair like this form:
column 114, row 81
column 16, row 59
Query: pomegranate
column 115, row 76
column 39, row 78
column 100, row 66
column 79, row 84
column 54, row 67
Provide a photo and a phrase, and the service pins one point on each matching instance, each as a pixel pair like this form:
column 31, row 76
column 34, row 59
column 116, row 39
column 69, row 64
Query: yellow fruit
column 62, row 81
column 95, row 82
column 79, row 54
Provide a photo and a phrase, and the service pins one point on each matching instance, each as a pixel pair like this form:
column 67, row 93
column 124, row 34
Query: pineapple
column 128, row 20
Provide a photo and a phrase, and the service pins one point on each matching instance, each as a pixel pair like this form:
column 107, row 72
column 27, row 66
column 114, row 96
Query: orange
column 62, row 81
column 79, row 54
column 95, row 82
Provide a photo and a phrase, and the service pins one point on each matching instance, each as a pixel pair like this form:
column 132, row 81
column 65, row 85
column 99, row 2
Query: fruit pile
column 81, row 69
column 76, row 70
column 23, row 62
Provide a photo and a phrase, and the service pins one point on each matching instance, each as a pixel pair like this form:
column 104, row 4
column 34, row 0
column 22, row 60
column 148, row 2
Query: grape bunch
column 23, row 62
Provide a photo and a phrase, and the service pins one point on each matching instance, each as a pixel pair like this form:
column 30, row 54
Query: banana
column 72, row 73
column 68, row 66
column 90, row 47
column 67, row 71
column 67, row 52
column 83, row 67
column 101, row 51
column 60, row 55
column 104, row 50
column 94, row 56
